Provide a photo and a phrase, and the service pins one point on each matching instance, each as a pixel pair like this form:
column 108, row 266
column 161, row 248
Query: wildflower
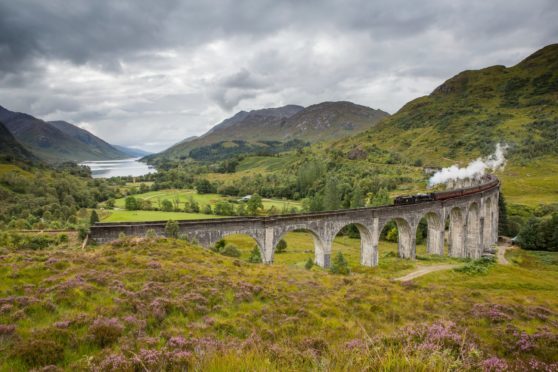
column 494, row 364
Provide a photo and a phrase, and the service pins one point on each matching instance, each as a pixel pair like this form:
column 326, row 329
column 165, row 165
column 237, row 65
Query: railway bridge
column 470, row 215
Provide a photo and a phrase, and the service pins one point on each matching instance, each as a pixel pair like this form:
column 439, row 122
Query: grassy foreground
column 168, row 305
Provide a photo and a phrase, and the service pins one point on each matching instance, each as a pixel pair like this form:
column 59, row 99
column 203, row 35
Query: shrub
column 94, row 217
column 171, row 229
column 105, row 331
column 150, row 234
column 218, row 247
column 62, row 238
column 82, row 232
column 340, row 265
column 281, row 246
column 309, row 263
column 479, row 266
column 39, row 352
column 230, row 250
column 255, row 255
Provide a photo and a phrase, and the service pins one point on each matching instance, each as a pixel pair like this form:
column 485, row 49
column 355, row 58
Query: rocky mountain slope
column 10, row 149
column 316, row 123
column 56, row 141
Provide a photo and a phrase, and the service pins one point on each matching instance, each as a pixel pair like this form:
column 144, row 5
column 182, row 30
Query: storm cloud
column 150, row 73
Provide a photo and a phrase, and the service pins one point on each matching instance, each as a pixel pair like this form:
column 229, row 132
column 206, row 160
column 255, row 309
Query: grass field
column 202, row 199
column 168, row 305
column 531, row 185
column 138, row 216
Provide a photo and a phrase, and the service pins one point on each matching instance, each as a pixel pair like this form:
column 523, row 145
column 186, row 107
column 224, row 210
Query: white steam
column 475, row 169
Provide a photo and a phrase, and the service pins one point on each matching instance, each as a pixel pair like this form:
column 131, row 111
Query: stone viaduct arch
column 472, row 213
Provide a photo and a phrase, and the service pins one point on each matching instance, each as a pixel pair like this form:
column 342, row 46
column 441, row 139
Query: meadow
column 163, row 304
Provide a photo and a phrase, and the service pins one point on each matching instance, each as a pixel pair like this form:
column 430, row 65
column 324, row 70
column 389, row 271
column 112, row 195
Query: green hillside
column 468, row 114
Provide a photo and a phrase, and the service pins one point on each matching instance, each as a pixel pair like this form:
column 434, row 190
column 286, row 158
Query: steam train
column 488, row 182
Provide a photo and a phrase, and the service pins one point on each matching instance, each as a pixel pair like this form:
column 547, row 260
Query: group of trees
column 48, row 198
column 540, row 234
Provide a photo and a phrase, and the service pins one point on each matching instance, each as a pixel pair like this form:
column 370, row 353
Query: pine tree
column 94, row 217
column 357, row 199
column 340, row 265
column 331, row 195
column 255, row 255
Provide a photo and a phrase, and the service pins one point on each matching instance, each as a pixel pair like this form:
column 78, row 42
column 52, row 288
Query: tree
column 110, row 203
column 230, row 250
column 357, row 198
column 203, row 186
column 207, row 209
column 339, row 265
column 332, row 200
column 503, row 224
column 380, row 198
column 529, row 235
column 171, row 229
column 131, row 203
column 166, row 206
column 254, row 204
column 94, row 217
column 255, row 255
column 309, row 263
column 281, row 246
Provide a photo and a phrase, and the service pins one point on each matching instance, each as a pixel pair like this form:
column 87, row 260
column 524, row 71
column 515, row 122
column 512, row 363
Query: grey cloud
column 165, row 70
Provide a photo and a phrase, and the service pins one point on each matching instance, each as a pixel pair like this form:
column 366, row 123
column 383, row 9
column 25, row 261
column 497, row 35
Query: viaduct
column 472, row 218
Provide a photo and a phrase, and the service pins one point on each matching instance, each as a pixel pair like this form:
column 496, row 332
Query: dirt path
column 426, row 270
column 502, row 248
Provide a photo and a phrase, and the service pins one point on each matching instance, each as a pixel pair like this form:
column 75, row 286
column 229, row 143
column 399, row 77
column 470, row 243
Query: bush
column 309, row 263
column 340, row 265
column 82, row 232
column 479, row 266
column 94, row 217
column 255, row 255
column 105, row 331
column 230, row 250
column 171, row 229
column 218, row 247
column 150, row 234
column 39, row 352
column 281, row 246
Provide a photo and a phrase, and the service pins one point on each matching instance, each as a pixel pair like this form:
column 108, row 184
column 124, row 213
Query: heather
column 158, row 304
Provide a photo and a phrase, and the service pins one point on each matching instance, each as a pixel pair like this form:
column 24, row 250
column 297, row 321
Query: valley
column 304, row 257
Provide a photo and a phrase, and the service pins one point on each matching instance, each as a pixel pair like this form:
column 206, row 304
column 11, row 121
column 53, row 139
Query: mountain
column 11, row 150
column 471, row 112
column 56, row 141
column 94, row 143
column 132, row 152
column 320, row 122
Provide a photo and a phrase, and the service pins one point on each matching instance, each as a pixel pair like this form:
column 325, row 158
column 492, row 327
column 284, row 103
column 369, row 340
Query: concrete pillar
column 487, row 232
column 495, row 216
column 369, row 244
column 457, row 233
column 406, row 242
column 322, row 251
column 435, row 237
column 268, row 247
column 473, row 233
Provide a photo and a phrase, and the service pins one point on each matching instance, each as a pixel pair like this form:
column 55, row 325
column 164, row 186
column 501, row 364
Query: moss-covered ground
column 170, row 305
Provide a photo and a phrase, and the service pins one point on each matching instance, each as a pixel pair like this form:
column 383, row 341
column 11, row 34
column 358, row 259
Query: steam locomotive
column 489, row 182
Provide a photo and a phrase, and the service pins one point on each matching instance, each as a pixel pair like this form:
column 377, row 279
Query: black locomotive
column 491, row 181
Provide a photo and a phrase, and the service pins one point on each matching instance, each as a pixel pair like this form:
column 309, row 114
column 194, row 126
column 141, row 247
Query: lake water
column 118, row 168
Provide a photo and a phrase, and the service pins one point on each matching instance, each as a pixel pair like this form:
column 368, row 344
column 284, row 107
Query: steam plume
column 475, row 169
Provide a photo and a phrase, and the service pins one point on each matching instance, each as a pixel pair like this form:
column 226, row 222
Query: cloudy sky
column 150, row 73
